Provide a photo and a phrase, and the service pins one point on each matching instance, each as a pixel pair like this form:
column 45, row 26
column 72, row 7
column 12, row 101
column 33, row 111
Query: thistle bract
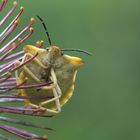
column 9, row 56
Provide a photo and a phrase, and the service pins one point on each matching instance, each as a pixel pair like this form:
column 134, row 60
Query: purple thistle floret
column 9, row 56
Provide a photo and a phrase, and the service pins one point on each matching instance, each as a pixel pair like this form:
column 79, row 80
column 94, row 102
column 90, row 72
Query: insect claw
column 40, row 110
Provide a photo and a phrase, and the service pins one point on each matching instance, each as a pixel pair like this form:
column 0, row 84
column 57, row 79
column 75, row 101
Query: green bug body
column 49, row 65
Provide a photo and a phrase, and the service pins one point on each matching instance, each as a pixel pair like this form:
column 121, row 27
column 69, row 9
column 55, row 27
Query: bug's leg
column 56, row 99
column 54, row 85
column 35, row 106
column 27, row 69
column 20, row 63
column 31, row 74
column 36, row 60
column 17, row 63
column 57, row 94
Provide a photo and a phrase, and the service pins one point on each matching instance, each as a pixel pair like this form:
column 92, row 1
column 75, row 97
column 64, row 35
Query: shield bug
column 50, row 66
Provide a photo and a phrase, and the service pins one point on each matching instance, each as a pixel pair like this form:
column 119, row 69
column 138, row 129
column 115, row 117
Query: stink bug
column 48, row 66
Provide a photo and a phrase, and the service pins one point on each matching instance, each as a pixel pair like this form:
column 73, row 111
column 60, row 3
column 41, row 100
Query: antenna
column 46, row 30
column 78, row 50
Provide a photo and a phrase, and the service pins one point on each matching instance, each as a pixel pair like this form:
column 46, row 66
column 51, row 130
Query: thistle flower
column 9, row 56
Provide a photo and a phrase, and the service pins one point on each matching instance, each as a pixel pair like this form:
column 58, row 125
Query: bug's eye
column 47, row 49
column 62, row 53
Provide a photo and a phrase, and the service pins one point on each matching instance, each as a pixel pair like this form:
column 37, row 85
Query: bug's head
column 54, row 51
column 58, row 59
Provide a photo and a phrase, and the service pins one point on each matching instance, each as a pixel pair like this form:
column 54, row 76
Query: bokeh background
column 106, row 100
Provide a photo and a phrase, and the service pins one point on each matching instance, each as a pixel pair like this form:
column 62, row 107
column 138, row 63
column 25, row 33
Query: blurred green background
column 106, row 100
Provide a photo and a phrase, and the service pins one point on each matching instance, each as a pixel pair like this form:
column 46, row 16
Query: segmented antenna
column 78, row 50
column 46, row 30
